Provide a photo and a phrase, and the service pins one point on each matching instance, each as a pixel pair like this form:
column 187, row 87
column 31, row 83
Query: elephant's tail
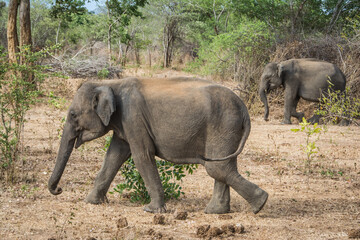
column 247, row 127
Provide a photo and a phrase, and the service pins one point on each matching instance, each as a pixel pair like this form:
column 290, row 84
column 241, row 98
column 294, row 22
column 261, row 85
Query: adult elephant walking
column 182, row 120
column 301, row 78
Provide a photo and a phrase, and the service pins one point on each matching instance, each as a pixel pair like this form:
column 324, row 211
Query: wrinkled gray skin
column 301, row 78
column 182, row 120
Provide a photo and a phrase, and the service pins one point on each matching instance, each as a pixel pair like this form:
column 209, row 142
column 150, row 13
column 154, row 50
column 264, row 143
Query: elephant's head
column 88, row 117
column 270, row 79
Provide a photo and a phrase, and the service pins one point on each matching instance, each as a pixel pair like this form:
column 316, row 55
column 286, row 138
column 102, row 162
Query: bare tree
column 336, row 14
column 170, row 33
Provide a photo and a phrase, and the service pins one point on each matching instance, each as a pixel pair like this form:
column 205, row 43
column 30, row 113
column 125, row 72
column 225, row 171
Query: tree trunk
column 109, row 43
column 170, row 34
column 335, row 15
column 149, row 54
column 109, row 30
column 12, row 36
column 25, row 38
column 25, row 23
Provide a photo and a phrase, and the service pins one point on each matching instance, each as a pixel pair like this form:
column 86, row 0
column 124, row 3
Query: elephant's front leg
column 220, row 201
column 116, row 155
column 294, row 113
column 146, row 165
column 290, row 104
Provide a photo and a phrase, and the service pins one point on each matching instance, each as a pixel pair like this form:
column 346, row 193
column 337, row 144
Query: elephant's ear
column 104, row 103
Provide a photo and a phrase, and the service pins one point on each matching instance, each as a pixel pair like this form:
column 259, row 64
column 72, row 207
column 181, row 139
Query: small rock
column 180, row 215
column 159, row 219
column 202, row 230
column 122, row 222
column 239, row 228
column 214, row 231
column 355, row 233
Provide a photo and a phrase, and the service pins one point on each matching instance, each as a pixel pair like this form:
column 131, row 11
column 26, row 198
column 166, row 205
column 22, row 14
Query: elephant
column 305, row 78
column 181, row 120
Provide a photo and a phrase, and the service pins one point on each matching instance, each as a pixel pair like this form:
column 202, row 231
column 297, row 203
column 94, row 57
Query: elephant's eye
column 73, row 114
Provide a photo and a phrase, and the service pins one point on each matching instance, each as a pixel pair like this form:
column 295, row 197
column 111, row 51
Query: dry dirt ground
column 322, row 205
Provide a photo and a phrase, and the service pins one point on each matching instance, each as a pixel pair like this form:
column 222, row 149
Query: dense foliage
column 227, row 39
column 17, row 95
column 170, row 174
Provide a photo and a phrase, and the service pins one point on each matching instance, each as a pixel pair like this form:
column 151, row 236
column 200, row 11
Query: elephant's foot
column 259, row 201
column 300, row 116
column 286, row 122
column 155, row 208
column 217, row 208
column 314, row 119
column 96, row 199
column 344, row 122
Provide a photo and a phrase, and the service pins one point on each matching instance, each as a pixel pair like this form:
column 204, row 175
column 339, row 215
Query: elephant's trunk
column 66, row 146
column 262, row 93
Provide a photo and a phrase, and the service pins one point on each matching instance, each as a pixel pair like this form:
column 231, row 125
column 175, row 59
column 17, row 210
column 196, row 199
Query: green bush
column 103, row 73
column 19, row 84
column 336, row 105
column 170, row 175
column 312, row 135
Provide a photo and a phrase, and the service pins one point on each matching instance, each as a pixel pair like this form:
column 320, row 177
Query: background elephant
column 301, row 78
column 182, row 120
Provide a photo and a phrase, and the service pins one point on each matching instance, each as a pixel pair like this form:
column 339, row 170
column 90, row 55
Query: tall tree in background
column 169, row 16
column 3, row 42
column 119, row 14
column 25, row 24
column 65, row 10
column 12, row 37
column 25, row 27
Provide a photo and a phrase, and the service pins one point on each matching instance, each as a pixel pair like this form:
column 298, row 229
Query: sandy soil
column 322, row 205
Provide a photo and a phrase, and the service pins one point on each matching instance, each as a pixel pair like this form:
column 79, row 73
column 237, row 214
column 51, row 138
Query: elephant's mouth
column 85, row 136
column 79, row 141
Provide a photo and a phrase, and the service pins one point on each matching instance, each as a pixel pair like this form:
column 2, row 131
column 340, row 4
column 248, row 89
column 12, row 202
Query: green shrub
column 336, row 105
column 19, row 84
column 103, row 73
column 170, row 175
column 312, row 134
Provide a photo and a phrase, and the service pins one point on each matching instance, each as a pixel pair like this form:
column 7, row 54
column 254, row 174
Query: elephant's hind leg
column 220, row 201
column 116, row 155
column 314, row 119
column 226, row 172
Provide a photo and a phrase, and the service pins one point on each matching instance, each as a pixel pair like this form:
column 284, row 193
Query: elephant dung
column 153, row 234
column 159, row 219
column 202, row 230
column 122, row 222
column 354, row 233
column 178, row 215
column 214, row 231
column 224, row 217
column 228, row 228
